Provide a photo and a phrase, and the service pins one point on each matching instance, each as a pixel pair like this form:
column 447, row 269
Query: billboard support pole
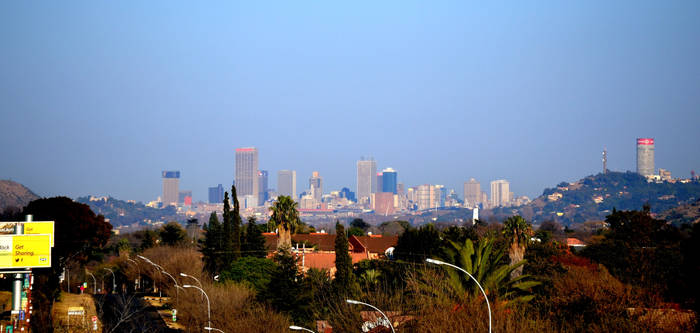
column 17, row 285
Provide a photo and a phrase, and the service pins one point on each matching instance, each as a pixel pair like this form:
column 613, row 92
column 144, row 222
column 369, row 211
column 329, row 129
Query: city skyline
column 441, row 92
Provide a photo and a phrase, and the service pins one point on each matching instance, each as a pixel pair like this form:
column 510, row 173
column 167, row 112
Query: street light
column 208, row 305
column 438, row 262
column 213, row 329
column 158, row 268
column 94, row 283
column 114, row 282
column 373, row 307
column 190, row 276
column 299, row 328
column 138, row 269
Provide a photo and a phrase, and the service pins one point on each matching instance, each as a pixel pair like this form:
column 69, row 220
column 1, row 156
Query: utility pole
column 17, row 283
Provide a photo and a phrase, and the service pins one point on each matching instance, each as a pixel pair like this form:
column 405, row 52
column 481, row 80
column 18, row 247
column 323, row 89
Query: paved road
column 129, row 313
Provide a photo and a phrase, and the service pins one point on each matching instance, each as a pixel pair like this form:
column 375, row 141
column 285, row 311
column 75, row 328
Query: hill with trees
column 594, row 197
column 120, row 212
column 14, row 195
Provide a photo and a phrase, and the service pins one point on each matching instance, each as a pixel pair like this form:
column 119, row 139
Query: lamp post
column 190, row 276
column 94, row 283
column 138, row 270
column 373, row 307
column 213, row 329
column 438, row 262
column 299, row 328
column 114, row 281
column 208, row 305
column 158, row 268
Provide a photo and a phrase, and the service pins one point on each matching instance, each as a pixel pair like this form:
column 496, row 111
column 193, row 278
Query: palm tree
column 519, row 233
column 484, row 263
column 285, row 216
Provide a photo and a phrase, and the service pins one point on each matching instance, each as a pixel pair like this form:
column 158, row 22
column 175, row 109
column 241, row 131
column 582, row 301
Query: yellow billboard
column 30, row 251
column 39, row 228
column 30, row 228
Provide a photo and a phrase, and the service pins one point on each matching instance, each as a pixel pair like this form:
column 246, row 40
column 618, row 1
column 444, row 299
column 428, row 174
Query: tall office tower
column 247, row 172
column 472, row 193
column 262, row 186
column 287, row 183
column 216, row 194
column 400, row 188
column 500, row 193
column 389, row 181
column 441, row 193
column 645, row 156
column 171, row 187
column 316, row 186
column 366, row 178
column 380, row 183
column 428, row 197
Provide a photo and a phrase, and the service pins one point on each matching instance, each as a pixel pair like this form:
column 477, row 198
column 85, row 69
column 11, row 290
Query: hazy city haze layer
column 99, row 98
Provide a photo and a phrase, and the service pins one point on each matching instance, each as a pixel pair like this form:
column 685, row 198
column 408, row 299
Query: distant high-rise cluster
column 171, row 189
column 645, row 156
column 316, row 186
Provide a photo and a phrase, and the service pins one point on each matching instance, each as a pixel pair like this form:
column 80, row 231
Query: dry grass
column 233, row 306
column 59, row 313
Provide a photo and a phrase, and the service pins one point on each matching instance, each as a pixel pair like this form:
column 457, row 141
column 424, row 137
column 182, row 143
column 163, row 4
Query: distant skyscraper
column 428, row 197
column 380, row 183
column 366, row 178
column 287, row 183
column 316, row 186
column 389, row 180
column 472, row 193
column 247, row 172
column 645, row 156
column 171, row 187
column 500, row 193
column 262, row 186
column 182, row 196
column 346, row 193
column 216, row 194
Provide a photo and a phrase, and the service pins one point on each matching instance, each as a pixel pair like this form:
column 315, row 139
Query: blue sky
column 99, row 97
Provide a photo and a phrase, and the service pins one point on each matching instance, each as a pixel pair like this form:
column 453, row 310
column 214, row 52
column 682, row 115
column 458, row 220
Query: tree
column 257, row 272
column 78, row 234
column 359, row 223
column 485, row 265
column 286, row 218
column 518, row 232
column 227, row 233
column 254, row 245
column 286, row 291
column 212, row 245
column 236, row 226
column 344, row 282
column 172, row 234
column 149, row 239
column 418, row 244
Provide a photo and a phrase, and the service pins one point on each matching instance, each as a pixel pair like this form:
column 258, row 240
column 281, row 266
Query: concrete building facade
column 246, row 174
column 645, row 156
column 171, row 187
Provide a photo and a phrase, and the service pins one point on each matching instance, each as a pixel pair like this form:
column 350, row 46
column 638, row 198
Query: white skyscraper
column 366, row 178
column 500, row 193
column 246, row 174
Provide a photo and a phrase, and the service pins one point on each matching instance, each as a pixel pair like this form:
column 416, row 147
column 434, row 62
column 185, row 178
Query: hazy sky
column 97, row 97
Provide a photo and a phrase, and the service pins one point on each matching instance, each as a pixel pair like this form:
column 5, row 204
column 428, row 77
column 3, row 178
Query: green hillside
column 594, row 197
column 121, row 212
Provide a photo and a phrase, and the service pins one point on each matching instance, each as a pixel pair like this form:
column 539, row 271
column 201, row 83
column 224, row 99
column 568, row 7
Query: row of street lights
column 431, row 261
column 293, row 327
